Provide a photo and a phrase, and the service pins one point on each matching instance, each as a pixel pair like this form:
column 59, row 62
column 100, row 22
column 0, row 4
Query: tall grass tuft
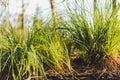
column 98, row 37
column 52, row 48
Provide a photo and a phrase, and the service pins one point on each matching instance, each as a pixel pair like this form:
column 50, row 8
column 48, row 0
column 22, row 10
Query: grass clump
column 27, row 55
column 98, row 37
column 18, row 60
column 52, row 49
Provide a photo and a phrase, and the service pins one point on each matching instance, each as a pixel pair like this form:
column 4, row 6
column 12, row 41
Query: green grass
column 53, row 49
column 98, row 37
column 25, row 53
column 18, row 58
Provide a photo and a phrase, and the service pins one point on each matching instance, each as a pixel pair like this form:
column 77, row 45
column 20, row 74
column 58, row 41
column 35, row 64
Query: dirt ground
column 86, row 72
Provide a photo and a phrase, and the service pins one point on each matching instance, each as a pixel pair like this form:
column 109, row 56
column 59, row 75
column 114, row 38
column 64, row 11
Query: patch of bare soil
column 109, row 63
column 108, row 68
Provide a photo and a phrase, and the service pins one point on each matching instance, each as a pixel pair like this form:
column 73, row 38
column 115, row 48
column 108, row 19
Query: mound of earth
column 108, row 68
